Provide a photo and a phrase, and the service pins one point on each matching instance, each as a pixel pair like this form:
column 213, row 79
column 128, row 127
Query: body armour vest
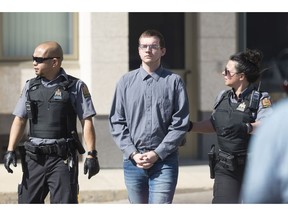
column 52, row 113
column 229, row 121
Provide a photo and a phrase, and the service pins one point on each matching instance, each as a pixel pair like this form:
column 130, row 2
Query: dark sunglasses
column 41, row 60
column 226, row 72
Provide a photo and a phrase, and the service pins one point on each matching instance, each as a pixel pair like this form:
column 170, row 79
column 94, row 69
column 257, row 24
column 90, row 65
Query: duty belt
column 59, row 147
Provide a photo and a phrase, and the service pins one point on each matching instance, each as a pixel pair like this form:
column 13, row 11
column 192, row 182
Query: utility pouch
column 33, row 156
column 241, row 158
column 30, row 148
column 227, row 160
column 62, row 148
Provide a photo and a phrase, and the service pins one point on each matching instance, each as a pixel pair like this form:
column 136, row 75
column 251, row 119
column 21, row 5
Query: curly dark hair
column 249, row 63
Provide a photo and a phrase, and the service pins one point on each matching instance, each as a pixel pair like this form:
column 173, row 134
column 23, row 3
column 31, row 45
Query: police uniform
column 49, row 160
column 230, row 118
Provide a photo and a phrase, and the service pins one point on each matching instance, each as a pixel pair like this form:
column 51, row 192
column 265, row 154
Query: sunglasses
column 41, row 60
column 226, row 72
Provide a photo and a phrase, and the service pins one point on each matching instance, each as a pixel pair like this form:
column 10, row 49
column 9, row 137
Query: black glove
column 10, row 157
column 91, row 165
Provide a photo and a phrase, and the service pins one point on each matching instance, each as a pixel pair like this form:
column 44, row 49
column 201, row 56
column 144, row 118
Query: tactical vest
column 52, row 115
column 232, row 137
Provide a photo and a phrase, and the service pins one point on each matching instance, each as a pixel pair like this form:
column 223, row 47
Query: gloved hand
column 91, row 165
column 10, row 157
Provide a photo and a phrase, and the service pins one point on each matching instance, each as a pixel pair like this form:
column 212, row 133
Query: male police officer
column 51, row 102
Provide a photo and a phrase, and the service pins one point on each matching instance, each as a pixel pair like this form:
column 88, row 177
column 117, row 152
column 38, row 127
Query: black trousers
column 48, row 174
column 227, row 185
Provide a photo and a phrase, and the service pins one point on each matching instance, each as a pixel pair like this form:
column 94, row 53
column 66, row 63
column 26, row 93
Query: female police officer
column 236, row 112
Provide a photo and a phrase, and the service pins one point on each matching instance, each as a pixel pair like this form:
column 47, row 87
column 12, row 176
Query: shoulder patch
column 266, row 102
column 85, row 92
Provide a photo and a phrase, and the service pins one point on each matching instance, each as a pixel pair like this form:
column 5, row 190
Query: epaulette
column 69, row 83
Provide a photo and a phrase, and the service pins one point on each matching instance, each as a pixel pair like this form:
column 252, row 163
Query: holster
column 22, row 154
column 212, row 161
column 77, row 142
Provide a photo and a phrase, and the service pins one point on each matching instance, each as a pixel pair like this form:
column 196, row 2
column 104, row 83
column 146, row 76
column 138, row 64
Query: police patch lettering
column 85, row 91
column 58, row 95
column 241, row 107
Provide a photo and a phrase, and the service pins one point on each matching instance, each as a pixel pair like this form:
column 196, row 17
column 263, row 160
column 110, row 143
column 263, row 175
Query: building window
column 22, row 32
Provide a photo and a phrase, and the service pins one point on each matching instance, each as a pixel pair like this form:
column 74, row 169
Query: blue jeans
column 154, row 185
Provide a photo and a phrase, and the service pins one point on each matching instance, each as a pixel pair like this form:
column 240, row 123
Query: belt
column 59, row 147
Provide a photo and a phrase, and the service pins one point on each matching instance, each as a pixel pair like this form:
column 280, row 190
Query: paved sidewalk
column 108, row 185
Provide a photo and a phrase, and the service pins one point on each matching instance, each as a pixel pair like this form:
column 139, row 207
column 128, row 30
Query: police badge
column 58, row 95
column 241, row 107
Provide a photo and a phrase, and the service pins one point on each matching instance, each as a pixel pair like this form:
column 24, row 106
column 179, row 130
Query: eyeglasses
column 152, row 46
column 41, row 60
column 226, row 72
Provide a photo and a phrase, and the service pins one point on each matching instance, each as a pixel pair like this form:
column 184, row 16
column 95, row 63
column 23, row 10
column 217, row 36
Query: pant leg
column 227, row 185
column 136, row 181
column 154, row 185
column 74, row 173
column 59, row 181
column 33, row 188
column 163, row 177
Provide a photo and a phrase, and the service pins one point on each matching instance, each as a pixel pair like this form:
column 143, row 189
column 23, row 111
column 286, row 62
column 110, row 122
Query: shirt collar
column 155, row 75
column 61, row 76
column 243, row 94
column 62, row 73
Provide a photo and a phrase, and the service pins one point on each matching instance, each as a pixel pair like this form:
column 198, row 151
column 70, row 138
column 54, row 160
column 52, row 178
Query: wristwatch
column 133, row 154
column 92, row 153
